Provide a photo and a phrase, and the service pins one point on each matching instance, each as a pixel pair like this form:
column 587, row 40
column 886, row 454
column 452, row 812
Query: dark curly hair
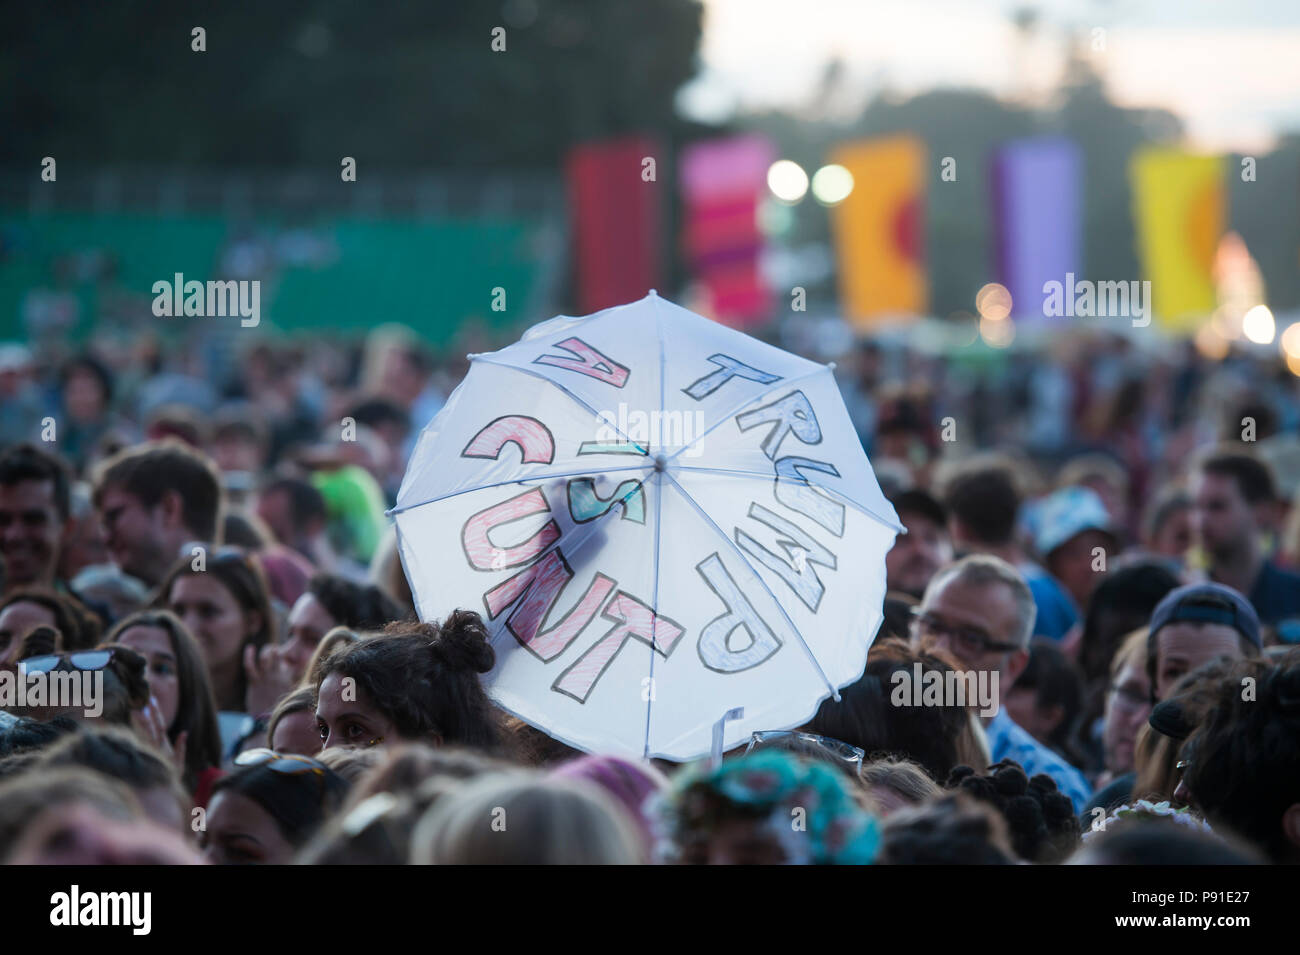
column 424, row 677
column 352, row 605
column 1039, row 817
column 1245, row 753
column 954, row 829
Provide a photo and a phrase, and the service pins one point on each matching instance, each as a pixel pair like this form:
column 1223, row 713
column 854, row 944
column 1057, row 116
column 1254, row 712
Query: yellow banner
column 880, row 229
column 1179, row 208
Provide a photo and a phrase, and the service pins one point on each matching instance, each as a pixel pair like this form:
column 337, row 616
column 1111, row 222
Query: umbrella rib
column 784, row 383
column 536, row 374
column 761, row 582
column 857, row 506
column 659, row 500
column 587, row 472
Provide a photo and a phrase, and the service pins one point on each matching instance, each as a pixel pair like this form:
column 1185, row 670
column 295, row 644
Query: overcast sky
column 1230, row 68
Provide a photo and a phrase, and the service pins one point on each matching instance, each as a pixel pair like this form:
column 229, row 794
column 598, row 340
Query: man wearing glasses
column 980, row 613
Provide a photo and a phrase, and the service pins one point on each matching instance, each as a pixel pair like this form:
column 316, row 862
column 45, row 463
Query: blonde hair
column 522, row 818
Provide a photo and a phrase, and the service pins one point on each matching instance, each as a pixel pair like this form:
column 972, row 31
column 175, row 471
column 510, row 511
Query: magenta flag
column 1037, row 206
column 722, row 181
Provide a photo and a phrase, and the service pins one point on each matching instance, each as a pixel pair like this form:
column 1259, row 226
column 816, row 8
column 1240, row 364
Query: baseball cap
column 1065, row 513
column 1208, row 603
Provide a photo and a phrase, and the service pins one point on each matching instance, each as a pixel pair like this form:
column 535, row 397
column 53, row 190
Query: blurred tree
column 397, row 85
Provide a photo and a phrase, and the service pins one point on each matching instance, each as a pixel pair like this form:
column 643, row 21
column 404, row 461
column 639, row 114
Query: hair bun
column 463, row 639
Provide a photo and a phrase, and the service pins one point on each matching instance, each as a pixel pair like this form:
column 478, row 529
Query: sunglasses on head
column 289, row 763
column 81, row 660
column 794, row 740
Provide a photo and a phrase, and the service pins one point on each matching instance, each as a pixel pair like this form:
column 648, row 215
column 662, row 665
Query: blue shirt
column 1056, row 611
column 1276, row 594
column 1009, row 741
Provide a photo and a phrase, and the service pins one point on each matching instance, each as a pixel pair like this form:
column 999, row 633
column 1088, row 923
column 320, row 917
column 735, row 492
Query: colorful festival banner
column 879, row 229
column 616, row 221
column 722, row 182
column 1180, row 207
column 1037, row 202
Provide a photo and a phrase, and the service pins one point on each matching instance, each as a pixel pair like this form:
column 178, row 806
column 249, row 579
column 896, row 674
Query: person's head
column 225, row 604
column 1103, row 475
column 894, row 784
column 525, row 818
column 25, row 797
column 331, row 601
column 25, row 609
column 336, row 639
column 1122, row 602
column 1075, row 538
column 239, row 439
column 81, row 834
column 153, row 499
column 117, row 753
column 1047, row 699
column 34, row 508
column 27, row 736
column 1244, row 758
column 867, row 716
column 1167, row 522
column 294, row 510
column 1162, row 742
column 292, row 726
column 1128, row 702
column 1039, row 818
column 1234, row 498
column 87, row 388
column 382, row 810
column 123, row 691
column 918, row 554
column 351, row 763
column 951, row 829
column 981, row 613
column 261, row 814
column 632, row 784
column 983, row 501
column 766, row 807
column 1160, row 841
column 417, row 682
column 1195, row 624
column 178, row 680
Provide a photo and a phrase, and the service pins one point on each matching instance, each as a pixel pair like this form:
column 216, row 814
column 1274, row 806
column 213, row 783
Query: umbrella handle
column 735, row 713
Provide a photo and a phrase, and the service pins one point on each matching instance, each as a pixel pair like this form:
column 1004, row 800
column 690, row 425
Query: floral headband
column 809, row 805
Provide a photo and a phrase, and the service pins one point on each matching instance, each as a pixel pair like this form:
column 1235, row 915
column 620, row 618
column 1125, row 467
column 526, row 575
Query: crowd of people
column 1109, row 533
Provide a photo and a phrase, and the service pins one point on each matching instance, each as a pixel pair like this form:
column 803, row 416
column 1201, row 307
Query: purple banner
column 1037, row 192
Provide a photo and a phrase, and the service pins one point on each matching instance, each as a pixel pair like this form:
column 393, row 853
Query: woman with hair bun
column 417, row 682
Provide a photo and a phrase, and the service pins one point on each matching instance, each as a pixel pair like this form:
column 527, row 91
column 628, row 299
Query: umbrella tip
column 653, row 292
column 830, row 365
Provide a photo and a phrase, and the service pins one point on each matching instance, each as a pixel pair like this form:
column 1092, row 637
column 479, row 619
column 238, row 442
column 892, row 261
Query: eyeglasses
column 289, row 763
column 969, row 641
column 796, row 741
column 82, row 660
column 1133, row 699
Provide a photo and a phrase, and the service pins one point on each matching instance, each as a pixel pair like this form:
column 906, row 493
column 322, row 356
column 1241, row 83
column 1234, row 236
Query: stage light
column 787, row 180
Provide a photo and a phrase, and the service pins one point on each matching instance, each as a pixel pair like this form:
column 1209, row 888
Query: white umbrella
column 661, row 519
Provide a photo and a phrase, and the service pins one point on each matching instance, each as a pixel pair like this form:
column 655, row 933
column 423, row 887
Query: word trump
column 103, row 908
column 195, row 299
column 953, row 688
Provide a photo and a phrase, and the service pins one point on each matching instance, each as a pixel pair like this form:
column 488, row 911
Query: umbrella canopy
column 661, row 519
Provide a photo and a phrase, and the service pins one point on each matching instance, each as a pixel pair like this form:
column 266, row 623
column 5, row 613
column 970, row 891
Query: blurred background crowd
column 1103, row 510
